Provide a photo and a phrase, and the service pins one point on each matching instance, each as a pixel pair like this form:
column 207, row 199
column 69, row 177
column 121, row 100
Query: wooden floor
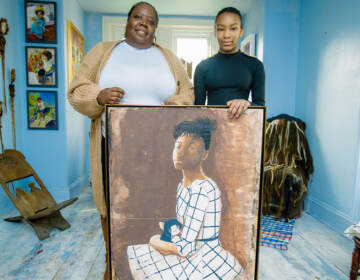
column 315, row 252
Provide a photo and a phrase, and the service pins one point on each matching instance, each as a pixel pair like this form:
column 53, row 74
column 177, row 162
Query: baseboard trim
column 332, row 217
column 76, row 187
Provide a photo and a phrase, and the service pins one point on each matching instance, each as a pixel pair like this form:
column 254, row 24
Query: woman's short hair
column 229, row 10
column 145, row 3
column 201, row 127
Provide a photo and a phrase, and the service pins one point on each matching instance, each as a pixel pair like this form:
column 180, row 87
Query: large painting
column 184, row 192
column 75, row 50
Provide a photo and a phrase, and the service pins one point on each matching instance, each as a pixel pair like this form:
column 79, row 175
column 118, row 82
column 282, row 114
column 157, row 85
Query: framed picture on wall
column 247, row 45
column 41, row 66
column 42, row 108
column 75, row 50
column 40, row 22
column 184, row 196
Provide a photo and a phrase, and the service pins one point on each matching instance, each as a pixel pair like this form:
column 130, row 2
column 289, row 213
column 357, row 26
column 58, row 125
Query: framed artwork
column 42, row 109
column 41, row 66
column 183, row 195
column 40, row 22
column 247, row 45
column 75, row 50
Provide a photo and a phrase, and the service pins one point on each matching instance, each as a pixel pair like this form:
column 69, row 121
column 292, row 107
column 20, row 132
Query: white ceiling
column 166, row 7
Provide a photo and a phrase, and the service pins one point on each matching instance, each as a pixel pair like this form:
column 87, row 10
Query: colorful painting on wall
column 75, row 50
column 42, row 109
column 40, row 21
column 41, row 66
column 183, row 194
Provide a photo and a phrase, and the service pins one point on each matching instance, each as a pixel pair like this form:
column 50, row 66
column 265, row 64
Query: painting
column 41, row 66
column 40, row 21
column 75, row 50
column 42, row 109
column 247, row 45
column 183, row 192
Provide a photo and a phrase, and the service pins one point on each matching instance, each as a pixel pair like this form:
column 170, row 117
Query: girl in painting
column 38, row 25
column 196, row 253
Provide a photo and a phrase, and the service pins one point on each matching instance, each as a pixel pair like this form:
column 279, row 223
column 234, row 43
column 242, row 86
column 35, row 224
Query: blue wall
column 9, row 10
column 58, row 156
column 77, row 125
column 281, row 44
column 253, row 22
column 328, row 99
column 93, row 32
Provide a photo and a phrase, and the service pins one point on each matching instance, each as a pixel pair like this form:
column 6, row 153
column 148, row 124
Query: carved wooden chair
column 38, row 208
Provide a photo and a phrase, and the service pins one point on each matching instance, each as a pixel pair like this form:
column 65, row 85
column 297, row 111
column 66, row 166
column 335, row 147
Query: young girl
column 38, row 26
column 196, row 253
column 228, row 77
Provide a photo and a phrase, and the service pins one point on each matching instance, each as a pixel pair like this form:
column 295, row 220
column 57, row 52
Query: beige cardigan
column 82, row 96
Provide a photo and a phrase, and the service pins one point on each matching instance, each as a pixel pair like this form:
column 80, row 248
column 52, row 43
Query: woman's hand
column 163, row 247
column 110, row 96
column 237, row 107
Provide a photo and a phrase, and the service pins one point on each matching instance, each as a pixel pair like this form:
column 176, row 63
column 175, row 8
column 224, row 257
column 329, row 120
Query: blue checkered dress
column 201, row 254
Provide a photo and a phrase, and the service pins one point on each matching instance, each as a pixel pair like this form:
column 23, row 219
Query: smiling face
column 189, row 152
column 228, row 32
column 140, row 27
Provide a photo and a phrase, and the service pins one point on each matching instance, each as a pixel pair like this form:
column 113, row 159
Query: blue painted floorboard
column 315, row 252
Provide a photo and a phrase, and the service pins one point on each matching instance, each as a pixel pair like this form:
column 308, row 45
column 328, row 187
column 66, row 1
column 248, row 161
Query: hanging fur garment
column 288, row 167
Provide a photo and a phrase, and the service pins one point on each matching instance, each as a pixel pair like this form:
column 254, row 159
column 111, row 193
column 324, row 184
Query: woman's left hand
column 237, row 107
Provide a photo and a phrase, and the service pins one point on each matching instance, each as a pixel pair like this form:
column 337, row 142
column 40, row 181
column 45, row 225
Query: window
column 192, row 51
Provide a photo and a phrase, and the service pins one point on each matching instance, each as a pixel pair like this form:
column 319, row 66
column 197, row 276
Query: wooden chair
column 38, row 208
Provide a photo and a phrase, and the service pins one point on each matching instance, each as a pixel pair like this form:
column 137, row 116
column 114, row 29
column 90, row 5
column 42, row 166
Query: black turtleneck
column 224, row 77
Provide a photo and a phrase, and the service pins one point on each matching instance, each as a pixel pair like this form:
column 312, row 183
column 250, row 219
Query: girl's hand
column 163, row 247
column 110, row 96
column 237, row 107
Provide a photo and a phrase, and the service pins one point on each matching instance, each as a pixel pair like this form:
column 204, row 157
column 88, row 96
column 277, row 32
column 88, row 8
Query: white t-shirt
column 143, row 74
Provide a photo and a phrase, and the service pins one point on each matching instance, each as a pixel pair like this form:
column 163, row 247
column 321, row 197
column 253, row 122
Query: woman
column 197, row 252
column 228, row 77
column 132, row 71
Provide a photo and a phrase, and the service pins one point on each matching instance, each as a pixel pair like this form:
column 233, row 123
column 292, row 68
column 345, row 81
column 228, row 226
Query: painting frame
column 120, row 126
column 75, row 43
column 39, row 116
column 40, row 29
column 41, row 66
column 247, row 45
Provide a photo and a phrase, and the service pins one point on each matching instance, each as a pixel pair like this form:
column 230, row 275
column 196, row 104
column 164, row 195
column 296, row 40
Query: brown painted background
column 143, row 180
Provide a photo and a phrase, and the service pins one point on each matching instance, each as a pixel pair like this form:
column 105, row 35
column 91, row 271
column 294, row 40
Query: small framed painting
column 41, row 67
column 40, row 22
column 42, row 109
column 247, row 45
column 75, row 50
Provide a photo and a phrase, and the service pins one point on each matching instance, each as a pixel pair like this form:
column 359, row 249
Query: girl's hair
column 201, row 127
column 47, row 54
column 229, row 10
column 146, row 3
